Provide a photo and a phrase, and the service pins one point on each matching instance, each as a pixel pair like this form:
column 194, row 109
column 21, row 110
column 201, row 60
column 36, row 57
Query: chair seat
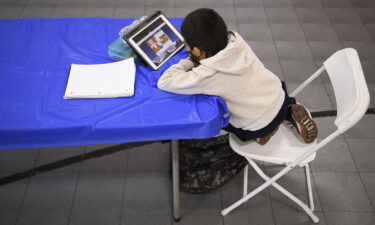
column 284, row 147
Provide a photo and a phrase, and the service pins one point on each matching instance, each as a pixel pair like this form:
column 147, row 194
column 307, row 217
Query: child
column 221, row 63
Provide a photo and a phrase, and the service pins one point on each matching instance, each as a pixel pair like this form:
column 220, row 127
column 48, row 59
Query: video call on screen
column 157, row 41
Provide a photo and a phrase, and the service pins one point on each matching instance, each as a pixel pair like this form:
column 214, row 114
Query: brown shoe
column 305, row 125
column 265, row 139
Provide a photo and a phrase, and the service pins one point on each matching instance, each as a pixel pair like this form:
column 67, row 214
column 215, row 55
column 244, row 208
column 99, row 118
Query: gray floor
column 292, row 38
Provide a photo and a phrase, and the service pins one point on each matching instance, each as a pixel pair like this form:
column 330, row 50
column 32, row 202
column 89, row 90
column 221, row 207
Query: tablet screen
column 157, row 41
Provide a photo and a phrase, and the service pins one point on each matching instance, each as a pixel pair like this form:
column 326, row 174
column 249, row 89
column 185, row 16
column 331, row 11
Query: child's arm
column 181, row 78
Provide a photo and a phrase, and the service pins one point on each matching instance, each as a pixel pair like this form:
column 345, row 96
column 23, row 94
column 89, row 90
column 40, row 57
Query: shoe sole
column 300, row 113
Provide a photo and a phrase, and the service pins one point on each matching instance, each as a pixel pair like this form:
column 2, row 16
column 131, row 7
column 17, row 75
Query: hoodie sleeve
column 181, row 78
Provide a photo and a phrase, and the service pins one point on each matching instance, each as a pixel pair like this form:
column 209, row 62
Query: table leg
column 176, row 181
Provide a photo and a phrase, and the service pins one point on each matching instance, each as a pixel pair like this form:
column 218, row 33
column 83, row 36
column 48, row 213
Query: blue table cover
column 35, row 57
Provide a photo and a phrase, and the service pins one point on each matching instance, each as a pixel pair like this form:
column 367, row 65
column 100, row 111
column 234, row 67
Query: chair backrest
column 349, row 85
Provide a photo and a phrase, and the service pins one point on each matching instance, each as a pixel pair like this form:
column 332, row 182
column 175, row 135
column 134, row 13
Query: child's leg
column 261, row 136
column 265, row 139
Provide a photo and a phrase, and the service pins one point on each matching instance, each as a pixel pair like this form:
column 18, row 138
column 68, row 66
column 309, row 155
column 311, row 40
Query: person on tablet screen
column 161, row 45
column 221, row 63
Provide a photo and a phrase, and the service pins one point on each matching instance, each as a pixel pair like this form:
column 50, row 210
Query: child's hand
column 194, row 62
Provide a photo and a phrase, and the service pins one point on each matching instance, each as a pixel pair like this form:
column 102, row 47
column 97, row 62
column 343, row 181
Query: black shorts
column 283, row 114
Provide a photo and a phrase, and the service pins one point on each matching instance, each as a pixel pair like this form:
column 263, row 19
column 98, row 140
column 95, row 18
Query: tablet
column 155, row 40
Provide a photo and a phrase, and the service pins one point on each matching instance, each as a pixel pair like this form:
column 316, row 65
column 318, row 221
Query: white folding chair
column 285, row 147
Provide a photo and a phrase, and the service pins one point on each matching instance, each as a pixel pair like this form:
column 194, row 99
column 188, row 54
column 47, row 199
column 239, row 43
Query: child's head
column 204, row 29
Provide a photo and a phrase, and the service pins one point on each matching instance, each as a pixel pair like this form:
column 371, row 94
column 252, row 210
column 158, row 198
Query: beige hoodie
column 253, row 93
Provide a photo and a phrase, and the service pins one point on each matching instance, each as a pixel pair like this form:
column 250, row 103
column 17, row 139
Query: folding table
column 35, row 57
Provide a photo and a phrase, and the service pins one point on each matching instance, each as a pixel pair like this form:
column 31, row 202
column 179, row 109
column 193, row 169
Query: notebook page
column 101, row 80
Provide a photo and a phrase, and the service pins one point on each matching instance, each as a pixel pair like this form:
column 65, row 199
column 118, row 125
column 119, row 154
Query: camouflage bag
column 206, row 164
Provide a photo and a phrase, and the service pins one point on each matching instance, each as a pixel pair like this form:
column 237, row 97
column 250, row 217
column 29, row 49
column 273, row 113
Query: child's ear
column 196, row 52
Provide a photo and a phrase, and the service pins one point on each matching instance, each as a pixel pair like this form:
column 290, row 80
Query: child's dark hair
column 204, row 28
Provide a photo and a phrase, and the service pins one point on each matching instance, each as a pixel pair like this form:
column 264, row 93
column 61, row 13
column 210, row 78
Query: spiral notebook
column 108, row 80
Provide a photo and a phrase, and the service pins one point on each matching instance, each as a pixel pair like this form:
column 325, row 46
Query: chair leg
column 309, row 189
column 245, row 177
column 262, row 187
column 285, row 192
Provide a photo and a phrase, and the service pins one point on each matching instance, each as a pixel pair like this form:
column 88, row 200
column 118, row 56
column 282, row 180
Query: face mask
column 193, row 57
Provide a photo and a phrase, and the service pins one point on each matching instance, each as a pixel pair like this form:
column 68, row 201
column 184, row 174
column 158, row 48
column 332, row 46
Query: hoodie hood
column 235, row 59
